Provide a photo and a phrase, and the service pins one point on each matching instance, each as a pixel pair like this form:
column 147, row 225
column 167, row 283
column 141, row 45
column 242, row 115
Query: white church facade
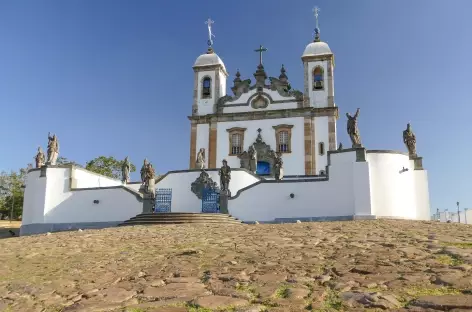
column 321, row 182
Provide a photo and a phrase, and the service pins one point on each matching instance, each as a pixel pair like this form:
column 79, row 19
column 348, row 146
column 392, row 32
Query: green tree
column 107, row 166
column 12, row 193
column 64, row 161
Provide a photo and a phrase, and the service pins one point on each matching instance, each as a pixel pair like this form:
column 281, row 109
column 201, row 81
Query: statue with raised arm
column 40, row 158
column 409, row 139
column 200, row 162
column 53, row 149
column 252, row 158
column 225, row 176
column 125, row 170
column 143, row 171
column 353, row 129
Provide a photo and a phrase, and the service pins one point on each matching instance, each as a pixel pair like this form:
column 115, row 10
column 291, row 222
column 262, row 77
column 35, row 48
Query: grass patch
column 282, row 292
column 449, row 259
column 135, row 310
column 462, row 245
column 331, row 302
column 414, row 292
column 196, row 308
column 250, row 290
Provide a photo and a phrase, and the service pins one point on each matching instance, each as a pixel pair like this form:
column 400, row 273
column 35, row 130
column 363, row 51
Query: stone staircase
column 181, row 218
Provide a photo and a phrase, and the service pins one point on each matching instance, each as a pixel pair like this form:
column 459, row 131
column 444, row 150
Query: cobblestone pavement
column 328, row 266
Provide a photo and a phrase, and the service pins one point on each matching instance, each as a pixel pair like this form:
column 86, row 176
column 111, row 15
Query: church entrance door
column 210, row 200
column 263, row 168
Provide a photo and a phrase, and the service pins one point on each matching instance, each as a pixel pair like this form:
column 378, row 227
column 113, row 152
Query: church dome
column 209, row 58
column 317, row 48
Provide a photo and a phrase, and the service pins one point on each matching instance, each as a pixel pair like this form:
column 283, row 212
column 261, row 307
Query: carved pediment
column 204, row 181
column 264, row 153
column 260, row 101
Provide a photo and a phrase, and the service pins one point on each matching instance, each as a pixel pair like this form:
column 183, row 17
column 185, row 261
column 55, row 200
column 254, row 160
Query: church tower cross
column 316, row 11
column 260, row 50
column 209, row 22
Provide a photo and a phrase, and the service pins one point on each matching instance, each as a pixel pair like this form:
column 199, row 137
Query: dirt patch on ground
column 332, row 266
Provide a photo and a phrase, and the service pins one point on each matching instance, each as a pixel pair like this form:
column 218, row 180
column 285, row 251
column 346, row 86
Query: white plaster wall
column 115, row 204
column 393, row 193
column 34, row 199
column 223, row 78
column 423, row 207
column 205, row 106
column 294, row 162
column 184, row 200
column 203, row 140
column 318, row 98
column 346, row 188
column 321, row 135
column 243, row 99
column 88, row 179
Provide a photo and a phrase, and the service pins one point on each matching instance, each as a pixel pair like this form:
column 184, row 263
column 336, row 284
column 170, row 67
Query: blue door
column 163, row 200
column 211, row 200
column 263, row 168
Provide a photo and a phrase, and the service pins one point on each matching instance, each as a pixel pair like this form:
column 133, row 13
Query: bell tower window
column 206, row 88
column 318, row 78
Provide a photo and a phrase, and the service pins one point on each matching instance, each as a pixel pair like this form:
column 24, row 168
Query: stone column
column 309, row 155
column 193, row 144
column 330, row 82
column 212, row 146
column 224, row 202
column 332, row 133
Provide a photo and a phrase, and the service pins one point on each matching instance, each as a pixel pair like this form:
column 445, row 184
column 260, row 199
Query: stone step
column 181, row 218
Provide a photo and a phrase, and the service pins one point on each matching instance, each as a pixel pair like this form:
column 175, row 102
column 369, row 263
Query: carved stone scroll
column 204, row 181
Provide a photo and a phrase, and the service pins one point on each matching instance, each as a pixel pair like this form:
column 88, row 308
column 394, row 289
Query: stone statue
column 53, row 149
column 149, row 177
column 40, row 158
column 353, row 129
column 200, row 162
column 143, row 171
column 252, row 158
column 278, row 166
column 125, row 170
column 409, row 139
column 225, row 176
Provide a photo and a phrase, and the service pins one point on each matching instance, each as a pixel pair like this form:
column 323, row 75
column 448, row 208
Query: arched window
column 321, row 148
column 236, row 140
column 318, row 78
column 283, row 141
column 236, row 146
column 206, row 88
column 283, row 137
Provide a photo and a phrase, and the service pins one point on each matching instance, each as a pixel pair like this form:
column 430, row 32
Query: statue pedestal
column 42, row 173
column 360, row 154
column 148, row 204
column 224, row 202
column 418, row 162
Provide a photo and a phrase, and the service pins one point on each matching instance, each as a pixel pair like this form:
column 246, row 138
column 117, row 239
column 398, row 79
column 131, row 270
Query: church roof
column 317, row 48
column 209, row 58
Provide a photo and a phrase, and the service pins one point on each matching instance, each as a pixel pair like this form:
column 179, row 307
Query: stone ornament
column 125, row 170
column 225, row 176
column 409, row 139
column 353, row 129
column 53, row 149
column 252, row 153
column 203, row 181
column 263, row 152
column 40, row 158
column 200, row 162
column 340, row 147
column 278, row 166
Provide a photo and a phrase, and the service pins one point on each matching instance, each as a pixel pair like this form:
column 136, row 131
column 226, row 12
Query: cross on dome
column 316, row 11
column 209, row 22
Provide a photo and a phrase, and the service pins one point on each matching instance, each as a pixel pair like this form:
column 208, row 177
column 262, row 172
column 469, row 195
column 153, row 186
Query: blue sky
column 115, row 77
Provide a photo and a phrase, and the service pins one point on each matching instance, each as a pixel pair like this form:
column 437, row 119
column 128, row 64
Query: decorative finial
column 282, row 73
column 238, row 75
column 209, row 22
column 260, row 50
column 316, row 11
